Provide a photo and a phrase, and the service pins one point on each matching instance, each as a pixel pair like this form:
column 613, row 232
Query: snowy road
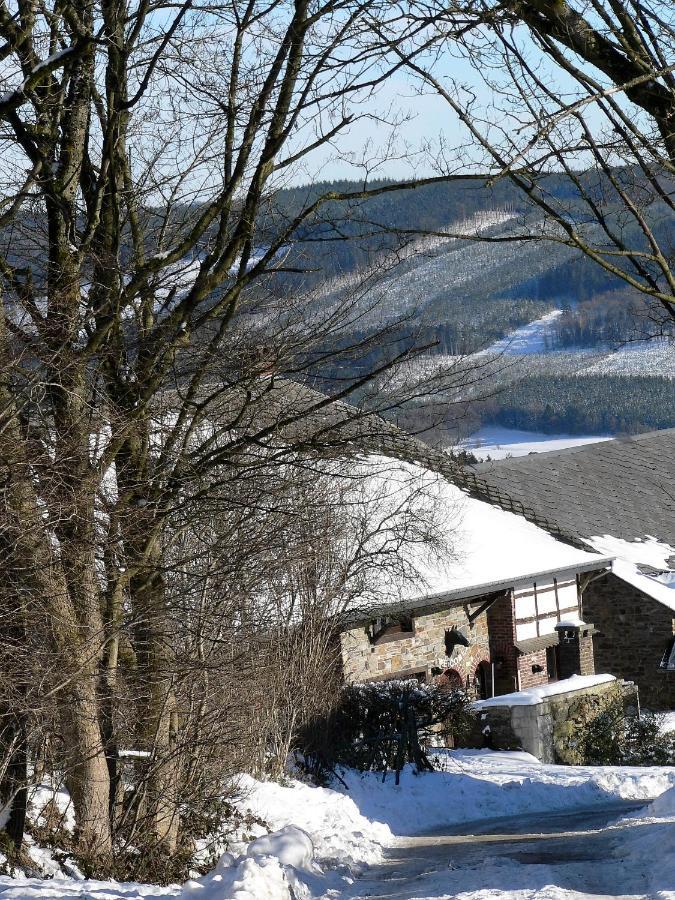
column 547, row 857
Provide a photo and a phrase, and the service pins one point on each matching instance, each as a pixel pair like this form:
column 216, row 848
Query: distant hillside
column 462, row 294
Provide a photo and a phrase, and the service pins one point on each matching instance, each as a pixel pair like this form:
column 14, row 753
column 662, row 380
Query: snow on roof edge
column 533, row 695
column 628, row 555
column 655, row 589
column 478, row 590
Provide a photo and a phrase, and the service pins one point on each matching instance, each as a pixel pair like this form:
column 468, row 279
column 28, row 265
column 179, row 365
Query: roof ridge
column 413, row 450
column 590, row 447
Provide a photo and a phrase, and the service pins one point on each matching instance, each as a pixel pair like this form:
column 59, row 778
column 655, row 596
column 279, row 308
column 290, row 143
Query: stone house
column 616, row 497
column 505, row 613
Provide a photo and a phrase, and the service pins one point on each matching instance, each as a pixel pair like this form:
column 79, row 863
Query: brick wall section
column 586, row 656
column 422, row 651
column 502, row 628
column 576, row 658
column 633, row 631
column 528, row 678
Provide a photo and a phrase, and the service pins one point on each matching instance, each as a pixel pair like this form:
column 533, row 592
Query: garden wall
column 547, row 728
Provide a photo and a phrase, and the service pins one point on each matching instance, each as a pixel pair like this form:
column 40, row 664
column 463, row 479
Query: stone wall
column 633, row 631
column 543, row 729
column 421, row 651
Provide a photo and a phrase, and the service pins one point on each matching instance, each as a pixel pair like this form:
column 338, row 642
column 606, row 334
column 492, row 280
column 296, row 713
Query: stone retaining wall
column 543, row 729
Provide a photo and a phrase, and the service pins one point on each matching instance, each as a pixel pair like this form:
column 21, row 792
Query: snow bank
column 668, row 723
column 651, row 837
column 532, row 696
column 323, row 836
column 291, row 846
column 90, row 889
column 483, row 784
column 341, row 834
column 320, row 835
column 248, row 880
column 47, row 800
column 269, row 870
column 350, row 824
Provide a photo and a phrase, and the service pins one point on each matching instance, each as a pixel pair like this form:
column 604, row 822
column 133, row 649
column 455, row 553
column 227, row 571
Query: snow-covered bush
column 384, row 725
column 614, row 738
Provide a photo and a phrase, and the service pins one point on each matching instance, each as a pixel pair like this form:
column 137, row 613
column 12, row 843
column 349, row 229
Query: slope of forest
column 481, row 290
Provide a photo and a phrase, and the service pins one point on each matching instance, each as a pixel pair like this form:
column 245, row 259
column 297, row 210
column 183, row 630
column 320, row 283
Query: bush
column 615, row 739
column 378, row 726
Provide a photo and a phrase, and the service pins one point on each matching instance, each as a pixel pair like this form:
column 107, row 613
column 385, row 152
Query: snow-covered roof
column 491, row 549
column 614, row 497
column 634, row 557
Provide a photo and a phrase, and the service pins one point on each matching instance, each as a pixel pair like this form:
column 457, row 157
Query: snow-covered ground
column 351, row 841
column 633, row 358
column 668, row 723
column 643, row 358
column 498, row 443
column 535, row 337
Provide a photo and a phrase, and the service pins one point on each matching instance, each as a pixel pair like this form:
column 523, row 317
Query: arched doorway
column 451, row 680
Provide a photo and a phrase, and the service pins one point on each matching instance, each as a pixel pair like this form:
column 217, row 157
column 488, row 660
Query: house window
column 389, row 628
column 668, row 658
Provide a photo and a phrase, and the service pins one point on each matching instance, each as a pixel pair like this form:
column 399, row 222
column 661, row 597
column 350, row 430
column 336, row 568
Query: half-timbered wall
column 539, row 607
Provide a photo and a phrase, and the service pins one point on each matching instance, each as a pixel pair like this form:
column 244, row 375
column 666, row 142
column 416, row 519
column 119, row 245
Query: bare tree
column 142, row 341
column 574, row 103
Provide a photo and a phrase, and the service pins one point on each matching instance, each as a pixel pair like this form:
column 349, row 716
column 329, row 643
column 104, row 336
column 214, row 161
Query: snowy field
column 643, row 358
column 535, row 337
column 463, row 833
column 498, row 443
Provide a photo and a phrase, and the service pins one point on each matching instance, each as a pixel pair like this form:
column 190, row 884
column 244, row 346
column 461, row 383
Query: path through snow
column 547, row 857
column 556, row 838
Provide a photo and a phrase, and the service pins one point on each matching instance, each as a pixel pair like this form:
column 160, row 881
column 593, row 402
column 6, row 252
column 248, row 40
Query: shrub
column 615, row 739
column 378, row 726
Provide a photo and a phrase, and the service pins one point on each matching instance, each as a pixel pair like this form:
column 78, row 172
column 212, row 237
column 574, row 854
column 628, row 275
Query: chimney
column 575, row 648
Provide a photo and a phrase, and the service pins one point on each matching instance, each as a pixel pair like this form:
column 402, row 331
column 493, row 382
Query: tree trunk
column 153, row 639
column 49, row 577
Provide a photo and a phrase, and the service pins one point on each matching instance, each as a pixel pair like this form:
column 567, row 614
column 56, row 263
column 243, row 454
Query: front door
column 552, row 663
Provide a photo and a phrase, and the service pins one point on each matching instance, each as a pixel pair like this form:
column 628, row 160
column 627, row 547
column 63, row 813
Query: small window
column 389, row 628
column 668, row 658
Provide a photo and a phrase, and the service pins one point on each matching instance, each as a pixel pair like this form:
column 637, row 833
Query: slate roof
column 298, row 413
column 623, row 487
